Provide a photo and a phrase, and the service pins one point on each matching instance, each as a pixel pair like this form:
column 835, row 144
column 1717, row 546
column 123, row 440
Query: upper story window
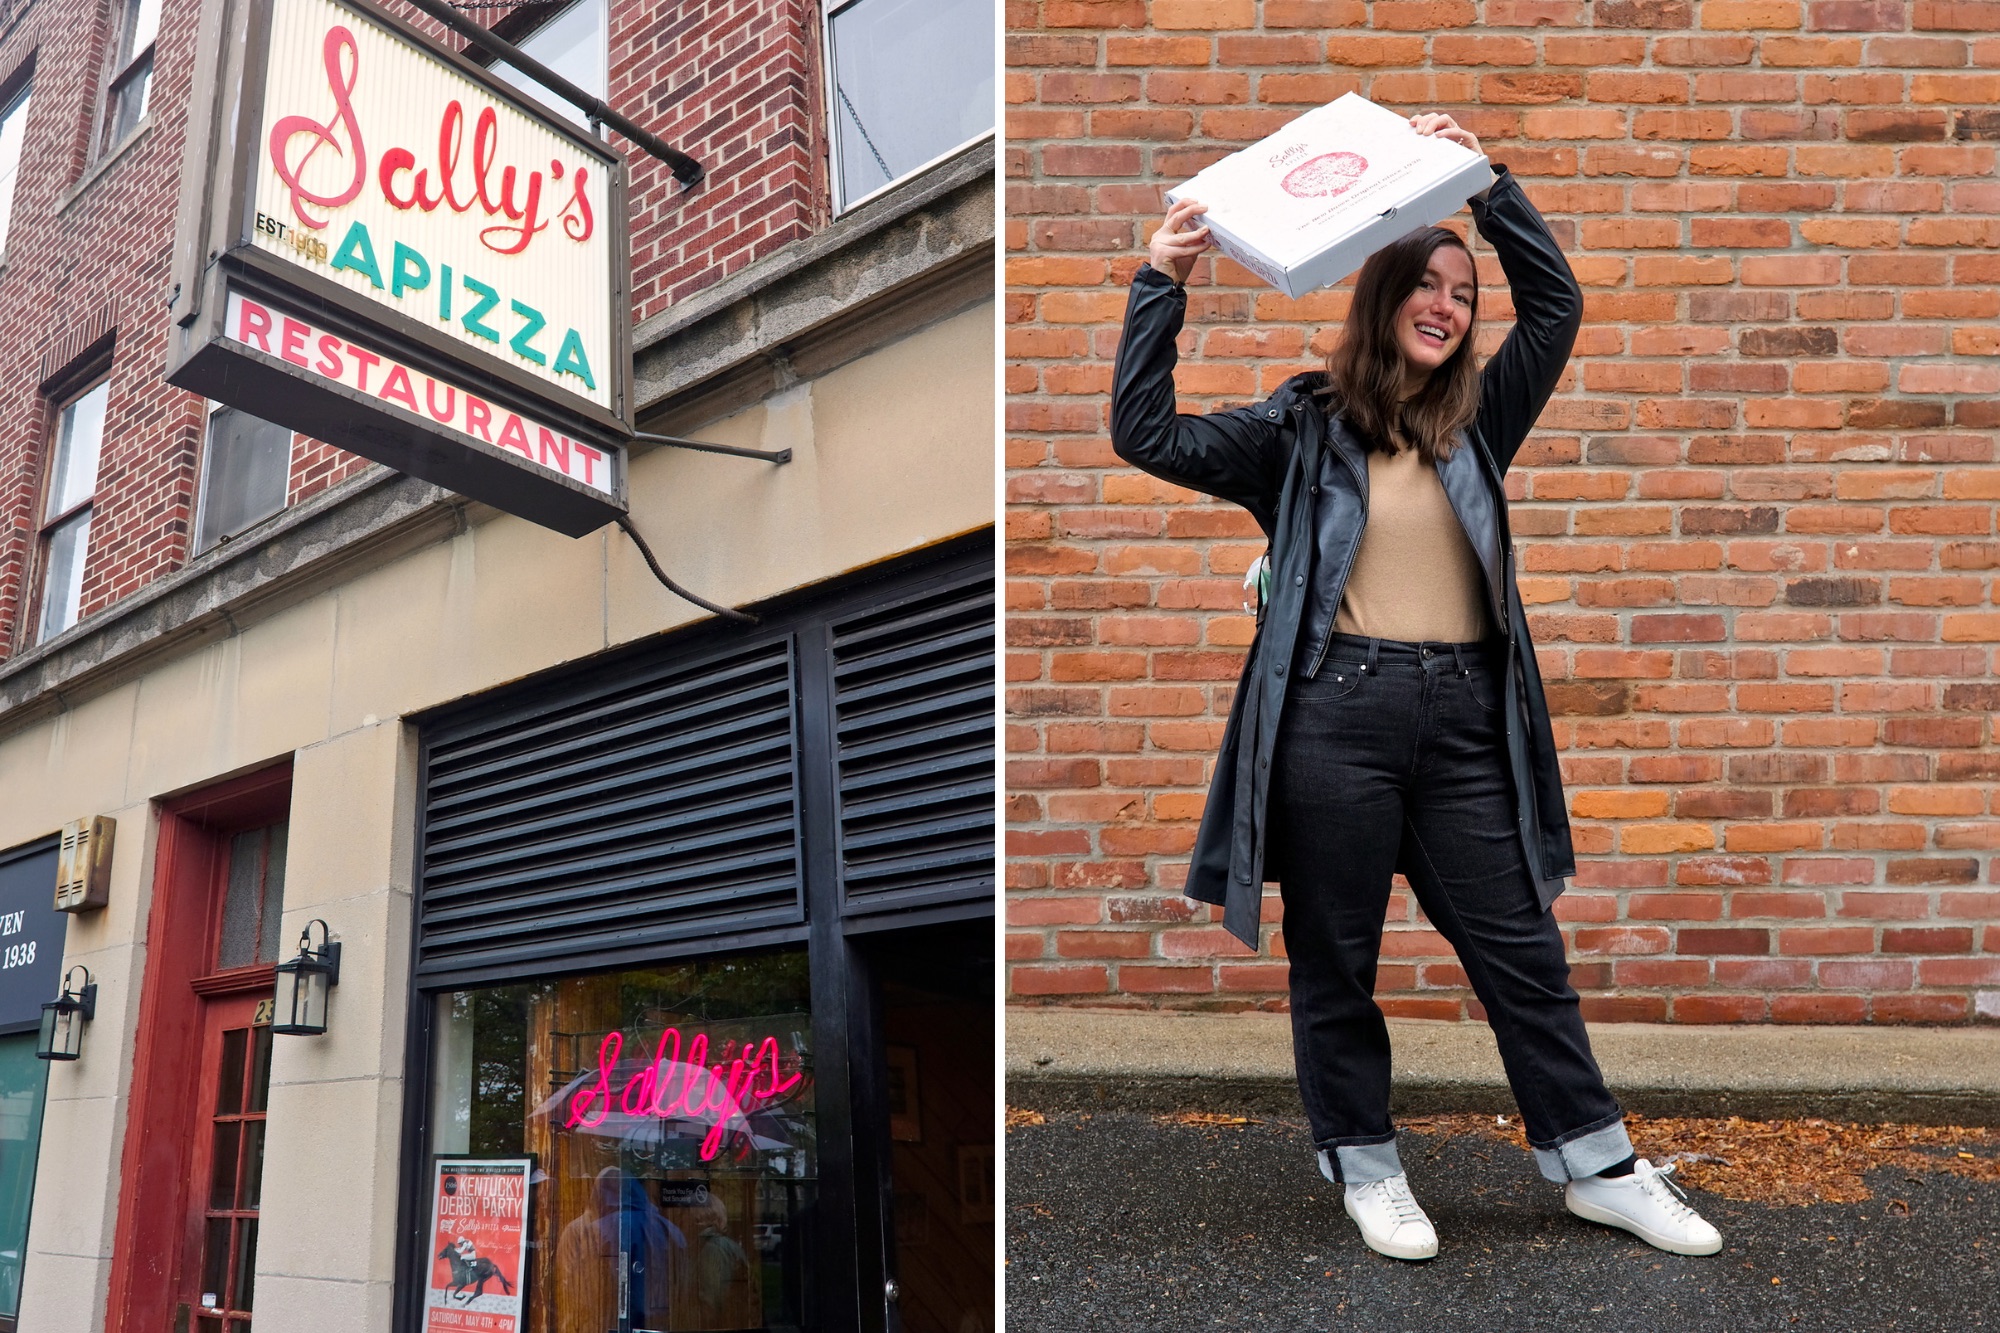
column 571, row 40
column 66, row 508
column 245, row 470
column 912, row 82
column 13, row 120
column 136, row 23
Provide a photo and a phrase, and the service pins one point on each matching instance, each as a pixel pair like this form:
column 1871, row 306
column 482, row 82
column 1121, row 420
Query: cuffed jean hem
column 1586, row 1154
column 1359, row 1163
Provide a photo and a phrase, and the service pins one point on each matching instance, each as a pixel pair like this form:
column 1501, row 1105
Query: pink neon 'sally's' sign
column 746, row 1078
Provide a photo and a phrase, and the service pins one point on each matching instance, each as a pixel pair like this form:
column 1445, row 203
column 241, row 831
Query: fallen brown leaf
column 1018, row 1116
column 1203, row 1118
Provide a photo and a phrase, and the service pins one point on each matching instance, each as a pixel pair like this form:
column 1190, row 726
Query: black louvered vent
column 650, row 806
column 913, row 703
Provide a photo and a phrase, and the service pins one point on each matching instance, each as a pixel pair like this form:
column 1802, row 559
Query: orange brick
column 1657, row 839
column 1423, row 14
column 1774, row 837
column 1186, row 14
column 1758, row 14
column 1738, row 160
column 1056, row 980
column 1618, row 804
column 1346, row 49
column 1175, row 87
column 1635, row 86
column 1465, row 49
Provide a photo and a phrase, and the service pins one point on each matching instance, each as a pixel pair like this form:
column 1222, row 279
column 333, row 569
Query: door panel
column 217, row 1277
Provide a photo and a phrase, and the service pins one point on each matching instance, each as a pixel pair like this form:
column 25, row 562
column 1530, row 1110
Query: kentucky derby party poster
column 479, row 1245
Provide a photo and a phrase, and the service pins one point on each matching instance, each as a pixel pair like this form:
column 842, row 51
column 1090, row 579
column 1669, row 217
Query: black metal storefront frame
column 853, row 1226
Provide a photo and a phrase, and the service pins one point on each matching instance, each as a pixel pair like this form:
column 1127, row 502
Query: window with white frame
column 13, row 122
column 569, row 40
column 136, row 23
column 66, row 508
column 245, row 470
column 912, row 80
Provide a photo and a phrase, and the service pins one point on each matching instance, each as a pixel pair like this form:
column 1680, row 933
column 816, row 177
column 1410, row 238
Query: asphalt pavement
column 1124, row 1220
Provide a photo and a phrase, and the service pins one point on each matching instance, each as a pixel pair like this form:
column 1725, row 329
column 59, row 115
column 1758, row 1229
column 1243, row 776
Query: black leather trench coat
column 1305, row 479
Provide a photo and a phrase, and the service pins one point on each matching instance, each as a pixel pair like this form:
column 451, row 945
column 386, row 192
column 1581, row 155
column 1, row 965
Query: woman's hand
column 1444, row 127
column 1172, row 250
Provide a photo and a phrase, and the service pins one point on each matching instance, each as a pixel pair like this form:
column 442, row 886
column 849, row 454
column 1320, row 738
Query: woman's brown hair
column 1365, row 368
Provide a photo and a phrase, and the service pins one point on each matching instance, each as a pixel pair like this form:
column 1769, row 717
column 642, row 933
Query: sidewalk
column 1085, row 1059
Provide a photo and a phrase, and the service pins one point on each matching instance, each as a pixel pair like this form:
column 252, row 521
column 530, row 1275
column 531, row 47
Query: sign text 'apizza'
column 407, row 182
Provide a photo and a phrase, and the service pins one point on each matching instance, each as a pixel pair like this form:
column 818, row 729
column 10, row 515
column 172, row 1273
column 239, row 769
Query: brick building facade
column 1756, row 526
column 87, row 257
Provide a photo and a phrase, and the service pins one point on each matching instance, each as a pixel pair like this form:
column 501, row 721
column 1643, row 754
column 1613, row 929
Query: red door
column 219, row 1259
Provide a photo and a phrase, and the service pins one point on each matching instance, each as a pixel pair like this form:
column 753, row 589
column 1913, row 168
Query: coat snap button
column 1278, row 670
column 1298, row 580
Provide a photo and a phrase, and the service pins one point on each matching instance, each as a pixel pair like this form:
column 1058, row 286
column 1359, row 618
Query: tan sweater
column 1415, row 577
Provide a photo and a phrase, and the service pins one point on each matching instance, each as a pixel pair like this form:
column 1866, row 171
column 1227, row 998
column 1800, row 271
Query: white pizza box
column 1305, row 207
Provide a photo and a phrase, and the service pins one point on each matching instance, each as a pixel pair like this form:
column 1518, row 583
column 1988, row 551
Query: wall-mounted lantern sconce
column 303, row 984
column 63, row 1018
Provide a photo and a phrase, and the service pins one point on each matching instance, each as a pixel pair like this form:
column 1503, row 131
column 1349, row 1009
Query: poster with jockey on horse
column 479, row 1245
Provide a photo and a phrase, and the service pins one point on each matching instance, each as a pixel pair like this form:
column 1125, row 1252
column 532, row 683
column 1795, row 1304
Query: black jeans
column 1392, row 759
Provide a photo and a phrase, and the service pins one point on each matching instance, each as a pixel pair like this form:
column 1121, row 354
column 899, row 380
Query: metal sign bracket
column 703, row 446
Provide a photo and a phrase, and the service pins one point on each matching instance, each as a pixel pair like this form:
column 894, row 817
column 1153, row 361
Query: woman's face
column 1435, row 317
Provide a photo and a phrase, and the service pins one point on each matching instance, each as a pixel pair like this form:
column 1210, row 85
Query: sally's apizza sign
column 387, row 249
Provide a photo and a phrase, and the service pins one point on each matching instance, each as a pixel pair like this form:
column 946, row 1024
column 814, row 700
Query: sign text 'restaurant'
column 392, row 385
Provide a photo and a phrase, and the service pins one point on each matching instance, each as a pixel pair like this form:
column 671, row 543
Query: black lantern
column 303, row 984
column 63, row 1018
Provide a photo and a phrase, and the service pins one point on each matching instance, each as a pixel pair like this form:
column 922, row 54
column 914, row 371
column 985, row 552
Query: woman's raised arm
column 1235, row 455
column 1548, row 309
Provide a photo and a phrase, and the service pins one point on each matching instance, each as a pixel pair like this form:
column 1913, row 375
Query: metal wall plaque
column 83, row 864
column 386, row 248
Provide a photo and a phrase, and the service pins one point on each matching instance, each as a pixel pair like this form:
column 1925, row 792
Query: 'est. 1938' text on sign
column 408, row 183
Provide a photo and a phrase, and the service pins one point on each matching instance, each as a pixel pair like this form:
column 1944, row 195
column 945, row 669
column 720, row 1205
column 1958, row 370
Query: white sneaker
column 1646, row 1203
column 1391, row 1222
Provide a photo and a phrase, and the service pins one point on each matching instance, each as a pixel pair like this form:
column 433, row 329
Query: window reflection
column 669, row 1115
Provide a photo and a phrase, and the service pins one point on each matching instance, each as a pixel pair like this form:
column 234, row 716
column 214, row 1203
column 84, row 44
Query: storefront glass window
column 23, row 1080
column 664, row 1119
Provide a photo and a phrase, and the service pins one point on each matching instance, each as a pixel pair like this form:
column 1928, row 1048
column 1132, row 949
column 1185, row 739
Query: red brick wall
column 733, row 82
column 318, row 466
column 100, row 264
column 1756, row 524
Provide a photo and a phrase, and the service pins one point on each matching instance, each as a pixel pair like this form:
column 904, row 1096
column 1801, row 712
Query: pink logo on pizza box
column 1327, row 176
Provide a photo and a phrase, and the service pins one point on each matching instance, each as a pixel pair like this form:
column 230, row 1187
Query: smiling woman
column 1390, row 718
